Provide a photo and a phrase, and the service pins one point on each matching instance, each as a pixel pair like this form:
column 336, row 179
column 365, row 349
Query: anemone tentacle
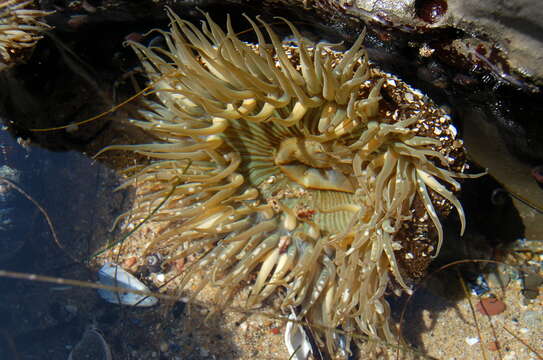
column 20, row 28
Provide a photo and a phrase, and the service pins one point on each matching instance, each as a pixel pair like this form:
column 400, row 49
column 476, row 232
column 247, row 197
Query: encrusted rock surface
column 513, row 27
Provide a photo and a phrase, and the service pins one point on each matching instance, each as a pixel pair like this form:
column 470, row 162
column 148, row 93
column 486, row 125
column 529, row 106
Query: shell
column 91, row 346
column 305, row 166
column 296, row 340
column 113, row 275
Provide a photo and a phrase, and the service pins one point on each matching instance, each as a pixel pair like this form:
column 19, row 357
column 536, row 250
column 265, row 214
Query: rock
column 511, row 28
column 531, row 283
column 514, row 25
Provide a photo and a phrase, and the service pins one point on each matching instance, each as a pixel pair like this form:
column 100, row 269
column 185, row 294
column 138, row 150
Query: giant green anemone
column 292, row 166
column 20, row 29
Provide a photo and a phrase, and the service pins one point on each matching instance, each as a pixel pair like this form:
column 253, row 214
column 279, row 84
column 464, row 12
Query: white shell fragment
column 113, row 275
column 296, row 340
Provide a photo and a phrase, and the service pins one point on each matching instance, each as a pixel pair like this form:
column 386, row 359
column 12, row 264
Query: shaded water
column 39, row 320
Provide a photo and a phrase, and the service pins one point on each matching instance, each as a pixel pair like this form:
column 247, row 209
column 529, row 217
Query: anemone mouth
column 299, row 164
column 19, row 29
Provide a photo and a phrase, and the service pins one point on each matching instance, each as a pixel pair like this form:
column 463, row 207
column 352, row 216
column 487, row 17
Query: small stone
column 490, row 306
column 88, row 7
column 77, row 21
column 180, row 264
column 531, row 283
column 493, row 346
column 128, row 263
column 537, row 174
column 472, row 340
column 499, row 277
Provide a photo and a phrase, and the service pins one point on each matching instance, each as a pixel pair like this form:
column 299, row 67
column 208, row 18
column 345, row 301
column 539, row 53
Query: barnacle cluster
column 292, row 166
column 20, row 29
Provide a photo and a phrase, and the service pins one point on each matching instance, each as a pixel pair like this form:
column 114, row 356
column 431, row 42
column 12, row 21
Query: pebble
column 531, row 284
column 537, row 173
column 76, row 21
column 204, row 352
column 532, row 319
column 128, row 263
column 493, row 346
column 511, row 356
column 472, row 340
column 499, row 277
column 88, row 7
column 180, row 264
column 490, row 306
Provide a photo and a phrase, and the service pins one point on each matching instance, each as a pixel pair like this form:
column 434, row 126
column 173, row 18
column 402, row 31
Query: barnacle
column 304, row 166
column 20, row 29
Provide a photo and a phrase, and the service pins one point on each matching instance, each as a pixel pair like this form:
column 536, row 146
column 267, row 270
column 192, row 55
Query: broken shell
column 296, row 340
column 91, row 346
column 490, row 306
column 113, row 275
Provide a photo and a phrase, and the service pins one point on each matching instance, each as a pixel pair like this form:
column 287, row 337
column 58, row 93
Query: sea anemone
column 292, row 166
column 19, row 29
